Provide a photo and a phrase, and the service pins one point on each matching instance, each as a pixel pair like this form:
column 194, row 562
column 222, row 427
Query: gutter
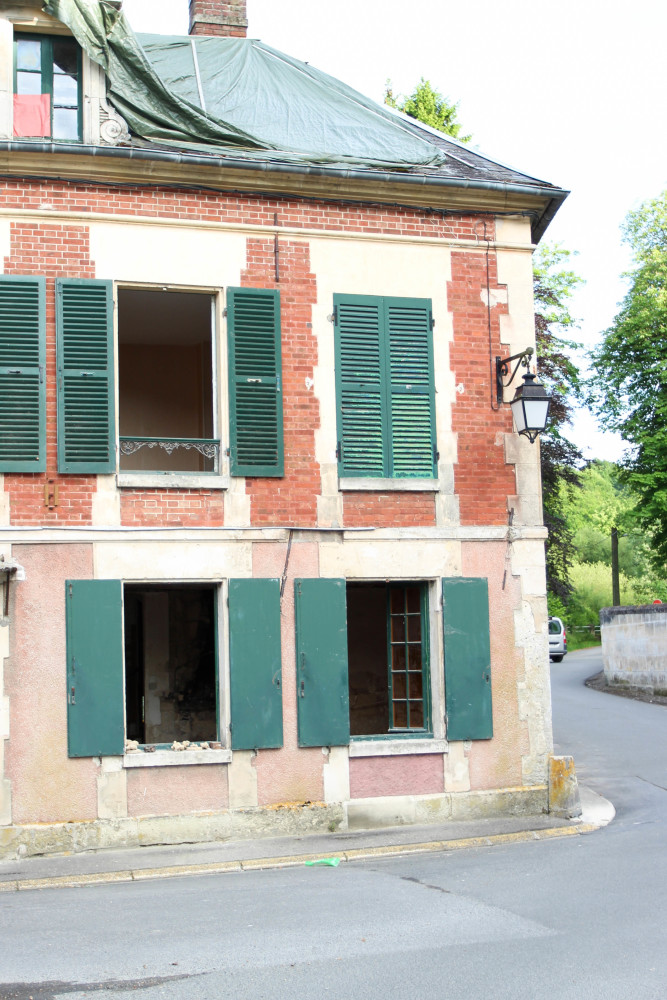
column 554, row 196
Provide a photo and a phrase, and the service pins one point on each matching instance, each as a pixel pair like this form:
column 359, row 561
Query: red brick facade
column 483, row 481
column 52, row 251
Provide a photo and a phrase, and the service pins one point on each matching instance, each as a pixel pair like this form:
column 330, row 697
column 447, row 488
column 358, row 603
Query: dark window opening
column 387, row 658
column 165, row 374
column 47, row 87
column 170, row 663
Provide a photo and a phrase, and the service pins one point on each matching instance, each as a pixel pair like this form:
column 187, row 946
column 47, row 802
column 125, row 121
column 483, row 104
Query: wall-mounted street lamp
column 530, row 405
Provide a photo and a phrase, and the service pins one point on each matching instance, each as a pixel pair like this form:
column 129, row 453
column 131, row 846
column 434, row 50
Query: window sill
column 394, row 485
column 170, row 481
column 176, row 758
column 396, row 747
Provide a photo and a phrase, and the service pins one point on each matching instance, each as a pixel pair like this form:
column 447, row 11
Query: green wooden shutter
column 22, row 382
column 255, row 664
column 362, row 424
column 95, row 694
column 255, row 375
column 465, row 614
column 86, row 431
column 323, row 699
column 407, row 324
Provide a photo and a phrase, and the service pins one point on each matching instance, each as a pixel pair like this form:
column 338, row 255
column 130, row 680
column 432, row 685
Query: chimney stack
column 219, row 17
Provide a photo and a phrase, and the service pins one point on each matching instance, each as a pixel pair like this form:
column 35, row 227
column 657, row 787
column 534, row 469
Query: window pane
column 412, row 600
column 397, row 628
column 28, row 54
column 414, row 628
column 65, row 91
column 416, row 715
column 65, row 123
column 397, row 599
column 415, row 685
column 414, row 657
column 399, row 686
column 28, row 83
column 400, row 714
column 64, row 57
column 398, row 657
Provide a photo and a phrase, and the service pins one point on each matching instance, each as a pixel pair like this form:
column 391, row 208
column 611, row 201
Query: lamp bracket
column 503, row 370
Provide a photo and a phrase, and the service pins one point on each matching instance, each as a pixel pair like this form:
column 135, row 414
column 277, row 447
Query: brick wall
column 52, row 251
column 388, row 510
column 171, row 508
column 482, row 479
column 219, row 17
column 290, row 500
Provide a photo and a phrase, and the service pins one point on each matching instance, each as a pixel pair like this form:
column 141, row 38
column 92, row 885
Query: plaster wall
column 47, row 786
column 634, row 646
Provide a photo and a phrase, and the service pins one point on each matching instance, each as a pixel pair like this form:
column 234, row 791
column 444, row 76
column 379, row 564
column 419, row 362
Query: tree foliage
column 629, row 389
column 553, row 286
column 429, row 106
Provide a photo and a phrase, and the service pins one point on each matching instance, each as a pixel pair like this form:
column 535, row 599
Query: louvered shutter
column 255, row 392
column 362, row 424
column 407, row 324
column 22, row 383
column 84, row 321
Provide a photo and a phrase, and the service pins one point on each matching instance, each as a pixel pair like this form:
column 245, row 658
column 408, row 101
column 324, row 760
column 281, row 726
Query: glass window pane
column 398, row 657
column 414, row 628
column 397, row 628
column 29, row 54
column 65, row 123
column 414, row 657
column 400, row 714
column 28, row 83
column 399, row 686
column 64, row 57
column 397, row 598
column 415, row 685
column 416, row 715
column 413, row 601
column 65, row 91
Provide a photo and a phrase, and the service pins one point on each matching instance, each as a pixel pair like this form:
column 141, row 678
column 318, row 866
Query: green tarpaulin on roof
column 237, row 95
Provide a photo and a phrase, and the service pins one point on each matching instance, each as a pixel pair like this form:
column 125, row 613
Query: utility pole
column 615, row 582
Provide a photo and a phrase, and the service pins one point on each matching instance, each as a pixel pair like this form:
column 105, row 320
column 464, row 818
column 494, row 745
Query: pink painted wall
column 496, row 763
column 408, row 775
column 171, row 791
column 290, row 774
column 46, row 785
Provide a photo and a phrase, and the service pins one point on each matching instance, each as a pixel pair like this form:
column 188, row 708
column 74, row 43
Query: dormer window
column 47, row 88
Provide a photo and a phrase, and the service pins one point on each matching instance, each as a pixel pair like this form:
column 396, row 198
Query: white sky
column 572, row 92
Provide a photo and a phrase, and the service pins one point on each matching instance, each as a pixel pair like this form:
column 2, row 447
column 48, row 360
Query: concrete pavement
column 278, row 852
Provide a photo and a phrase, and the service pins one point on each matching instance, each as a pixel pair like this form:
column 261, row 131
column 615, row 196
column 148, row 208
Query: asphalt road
column 570, row 918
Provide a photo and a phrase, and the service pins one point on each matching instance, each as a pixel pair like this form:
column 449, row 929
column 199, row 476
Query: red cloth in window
column 32, row 115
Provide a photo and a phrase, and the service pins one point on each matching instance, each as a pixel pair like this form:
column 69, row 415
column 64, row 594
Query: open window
column 166, row 376
column 170, row 663
column 388, row 661
column 47, row 87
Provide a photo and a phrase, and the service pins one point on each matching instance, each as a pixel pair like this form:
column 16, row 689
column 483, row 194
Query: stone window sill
column 170, row 481
column 386, row 485
column 395, row 748
column 176, row 758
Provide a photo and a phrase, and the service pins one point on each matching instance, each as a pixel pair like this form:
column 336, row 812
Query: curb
column 292, row 860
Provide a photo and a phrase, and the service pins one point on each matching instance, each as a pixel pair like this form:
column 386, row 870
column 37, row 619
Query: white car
column 557, row 640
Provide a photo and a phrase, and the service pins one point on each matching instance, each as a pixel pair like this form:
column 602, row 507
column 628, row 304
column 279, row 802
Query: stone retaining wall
column 634, row 646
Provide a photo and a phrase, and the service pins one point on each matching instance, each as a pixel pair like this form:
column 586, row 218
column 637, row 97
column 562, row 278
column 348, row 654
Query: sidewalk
column 139, row 864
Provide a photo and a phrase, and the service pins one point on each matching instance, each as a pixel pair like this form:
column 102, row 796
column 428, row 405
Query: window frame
column 47, row 74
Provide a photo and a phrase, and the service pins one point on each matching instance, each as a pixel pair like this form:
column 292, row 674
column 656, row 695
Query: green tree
column 629, row 388
column 429, row 106
column 554, row 283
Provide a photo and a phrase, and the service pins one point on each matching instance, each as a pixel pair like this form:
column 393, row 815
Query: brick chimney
column 219, row 17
